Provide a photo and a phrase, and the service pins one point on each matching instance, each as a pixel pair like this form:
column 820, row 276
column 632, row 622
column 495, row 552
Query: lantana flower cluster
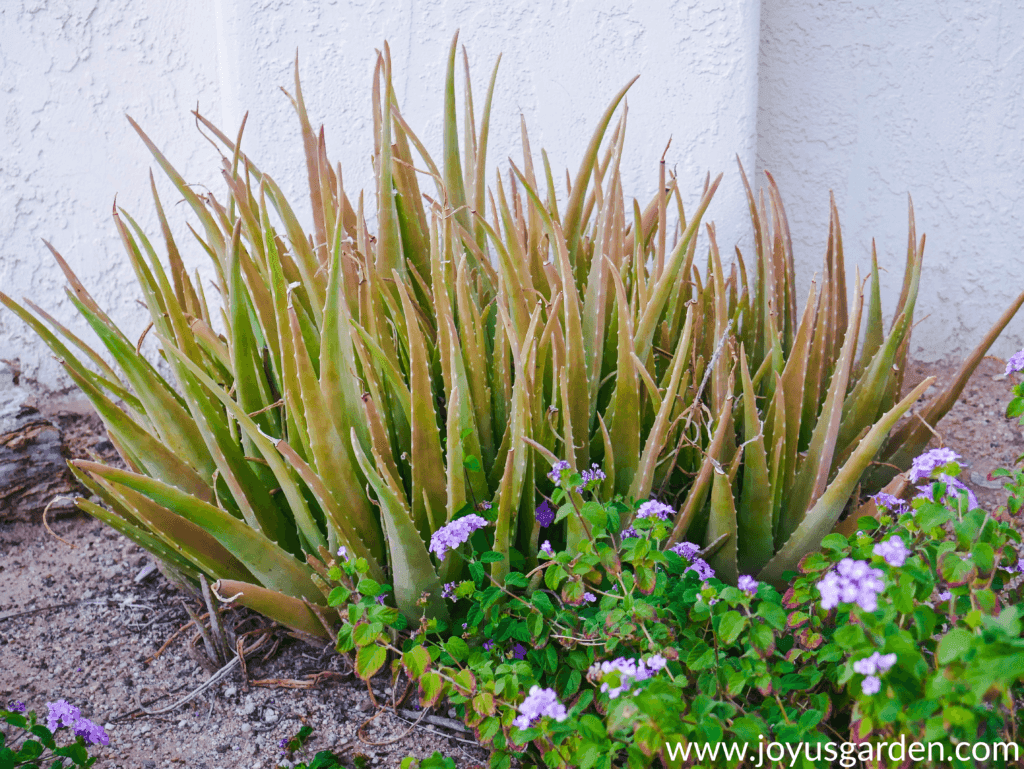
column 924, row 467
column 629, row 672
column 689, row 551
column 538, row 704
column 851, row 582
column 871, row 668
column 893, row 550
column 63, row 713
column 595, row 473
column 451, row 535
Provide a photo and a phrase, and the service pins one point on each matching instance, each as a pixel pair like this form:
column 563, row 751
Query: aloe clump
column 369, row 389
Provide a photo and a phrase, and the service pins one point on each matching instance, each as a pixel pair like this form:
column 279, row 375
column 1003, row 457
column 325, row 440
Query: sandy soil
column 75, row 623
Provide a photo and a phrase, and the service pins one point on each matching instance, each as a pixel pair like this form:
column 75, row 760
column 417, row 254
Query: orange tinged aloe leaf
column 822, row 517
column 813, row 474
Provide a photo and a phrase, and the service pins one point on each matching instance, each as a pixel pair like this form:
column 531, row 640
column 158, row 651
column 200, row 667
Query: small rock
column 230, row 691
column 182, row 723
column 980, row 480
column 149, row 764
column 364, row 706
column 270, row 715
column 248, row 706
column 223, row 748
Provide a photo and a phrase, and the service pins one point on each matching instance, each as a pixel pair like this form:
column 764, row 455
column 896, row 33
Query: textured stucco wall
column 71, row 69
column 875, row 99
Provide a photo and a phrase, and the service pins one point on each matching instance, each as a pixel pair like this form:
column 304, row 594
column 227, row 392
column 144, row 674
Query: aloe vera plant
column 368, row 388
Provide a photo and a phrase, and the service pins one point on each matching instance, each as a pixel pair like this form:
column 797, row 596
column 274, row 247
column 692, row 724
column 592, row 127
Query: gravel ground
column 74, row 624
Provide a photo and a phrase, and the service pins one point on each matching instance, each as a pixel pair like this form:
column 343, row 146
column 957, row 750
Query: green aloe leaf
column 411, row 568
column 274, row 567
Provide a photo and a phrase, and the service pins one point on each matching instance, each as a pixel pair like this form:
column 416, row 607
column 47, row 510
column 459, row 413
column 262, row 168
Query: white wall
column 71, row 69
column 875, row 99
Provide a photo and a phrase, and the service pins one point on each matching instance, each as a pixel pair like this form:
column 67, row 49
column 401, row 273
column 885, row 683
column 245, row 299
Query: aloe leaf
column 452, row 164
column 753, row 517
column 70, row 360
column 428, row 477
column 698, row 491
column 624, row 427
column 574, row 206
column 351, row 525
column 874, row 336
column 267, row 518
column 822, row 517
column 813, row 474
column 164, row 407
column 200, row 548
column 906, row 444
column 338, row 381
column 213, row 232
column 643, row 477
column 273, row 566
column 332, row 460
column 668, row 282
column 411, row 568
column 280, row 607
column 145, row 450
column 510, row 489
column 110, row 377
column 722, row 523
column 143, row 539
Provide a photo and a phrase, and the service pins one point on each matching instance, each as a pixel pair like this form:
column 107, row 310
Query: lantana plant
column 29, row 748
column 629, row 650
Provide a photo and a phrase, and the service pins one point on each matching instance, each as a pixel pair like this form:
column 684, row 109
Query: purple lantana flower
column 343, row 552
column 538, row 704
column 871, row 668
column 629, row 533
column 685, row 550
column 924, row 465
column 1016, row 362
column 484, row 506
column 876, row 663
column 452, row 535
column 556, row 471
column 448, row 591
column 895, row 504
column 589, row 597
column 544, row 514
column 689, row 551
column 547, row 549
column 17, row 706
column 629, row 672
column 851, row 582
column 595, row 473
column 654, row 508
column 488, row 645
column 747, row 584
column 925, row 491
column 893, row 550
column 519, row 652
column 62, row 713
